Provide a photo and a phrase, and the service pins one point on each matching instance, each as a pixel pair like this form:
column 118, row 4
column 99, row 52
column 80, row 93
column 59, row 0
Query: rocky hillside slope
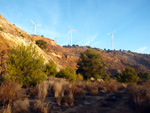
column 116, row 61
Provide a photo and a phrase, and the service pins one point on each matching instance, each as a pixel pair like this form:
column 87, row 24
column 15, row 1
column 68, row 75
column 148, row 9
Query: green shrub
column 42, row 44
column 145, row 76
column 67, row 73
column 128, row 75
column 79, row 77
column 96, row 76
column 50, row 69
column 90, row 64
column 22, row 35
column 106, row 77
column 25, row 65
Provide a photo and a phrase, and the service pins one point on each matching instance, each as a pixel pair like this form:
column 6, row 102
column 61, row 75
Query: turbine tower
column 34, row 28
column 112, row 37
column 71, row 35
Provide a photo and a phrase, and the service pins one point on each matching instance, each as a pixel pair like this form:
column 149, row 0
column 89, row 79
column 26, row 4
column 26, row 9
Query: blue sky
column 92, row 19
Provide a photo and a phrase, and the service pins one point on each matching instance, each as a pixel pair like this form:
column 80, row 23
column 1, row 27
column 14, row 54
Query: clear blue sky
column 91, row 18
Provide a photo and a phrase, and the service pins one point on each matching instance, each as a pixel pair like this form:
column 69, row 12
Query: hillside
column 116, row 61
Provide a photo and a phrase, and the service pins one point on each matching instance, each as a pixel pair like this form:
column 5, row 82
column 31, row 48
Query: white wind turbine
column 112, row 37
column 71, row 35
column 34, row 26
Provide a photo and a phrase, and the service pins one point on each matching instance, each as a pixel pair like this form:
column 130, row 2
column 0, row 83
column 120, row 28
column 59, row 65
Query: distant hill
column 116, row 61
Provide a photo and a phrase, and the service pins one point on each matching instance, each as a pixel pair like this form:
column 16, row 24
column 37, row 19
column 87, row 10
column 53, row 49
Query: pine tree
column 90, row 64
column 128, row 75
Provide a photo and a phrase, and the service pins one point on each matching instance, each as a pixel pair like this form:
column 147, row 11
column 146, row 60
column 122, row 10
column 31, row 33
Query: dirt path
column 103, row 103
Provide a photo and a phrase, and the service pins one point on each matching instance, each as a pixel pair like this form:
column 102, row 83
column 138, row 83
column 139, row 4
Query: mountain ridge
column 116, row 61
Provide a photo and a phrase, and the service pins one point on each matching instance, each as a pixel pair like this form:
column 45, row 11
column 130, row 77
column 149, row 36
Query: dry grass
column 112, row 86
column 77, row 91
column 63, row 92
column 92, row 88
column 7, row 109
column 32, row 91
column 21, row 106
column 140, row 97
column 10, row 91
column 40, row 107
column 42, row 90
column 96, row 86
column 53, row 90
column 58, row 89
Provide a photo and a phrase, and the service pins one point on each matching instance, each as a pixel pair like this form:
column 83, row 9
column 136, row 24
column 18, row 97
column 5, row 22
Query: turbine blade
column 74, row 30
column 38, row 25
column 114, row 31
column 32, row 22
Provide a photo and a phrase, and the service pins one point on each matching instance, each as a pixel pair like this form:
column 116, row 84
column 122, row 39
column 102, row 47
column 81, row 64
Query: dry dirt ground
column 101, row 103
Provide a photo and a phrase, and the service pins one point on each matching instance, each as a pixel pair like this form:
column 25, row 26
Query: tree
column 25, row 65
column 42, row 44
column 128, row 75
column 90, row 64
column 50, row 69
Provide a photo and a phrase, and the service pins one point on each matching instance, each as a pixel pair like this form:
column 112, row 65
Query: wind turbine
column 34, row 26
column 112, row 37
column 71, row 35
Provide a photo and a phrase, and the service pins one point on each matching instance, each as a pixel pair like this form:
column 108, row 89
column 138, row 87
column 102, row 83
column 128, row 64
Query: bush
column 42, row 44
column 90, row 64
column 145, row 76
column 106, row 77
column 22, row 35
column 67, row 73
column 50, row 69
column 128, row 75
column 25, row 65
